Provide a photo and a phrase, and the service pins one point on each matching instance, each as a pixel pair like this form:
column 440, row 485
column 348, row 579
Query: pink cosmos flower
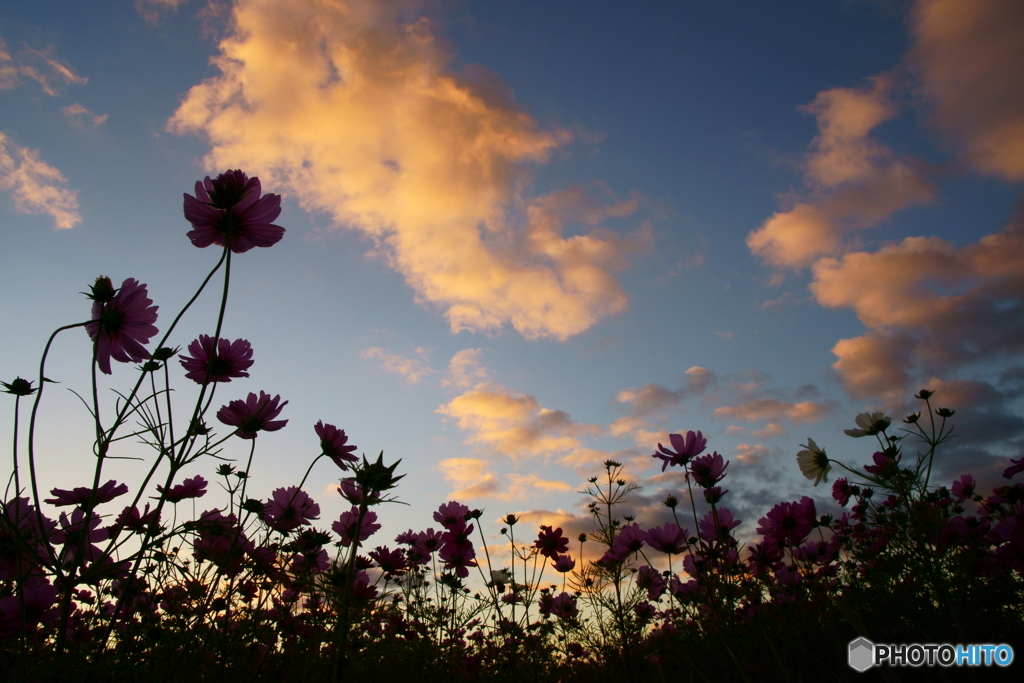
column 253, row 414
column 391, row 561
column 346, row 526
column 551, row 542
column 71, row 533
column 963, row 488
column 564, row 564
column 230, row 360
column 788, row 523
column 230, row 209
column 37, row 603
column 289, row 508
column 650, row 579
column 708, row 470
column 630, row 540
column 122, row 324
column 457, row 550
column 669, row 539
column 354, row 493
column 451, row 513
column 332, row 443
column 133, row 520
column 221, row 541
column 314, row 562
column 1015, row 468
column 712, row 533
column 193, row 487
column 885, row 464
column 841, row 491
column 644, row 611
column 80, row 495
column 686, row 448
column 429, row 541
column 564, row 606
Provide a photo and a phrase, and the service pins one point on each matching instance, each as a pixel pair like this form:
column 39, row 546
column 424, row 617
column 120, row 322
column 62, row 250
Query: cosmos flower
column 708, row 470
column 346, row 526
column 193, row 487
column 869, row 424
column 253, row 414
column 669, row 539
column 122, row 323
column 686, row 447
column 813, row 462
column 333, row 444
column 289, row 508
column 230, row 360
column 550, row 542
column 80, row 495
column 451, row 513
column 563, row 564
column 651, row 580
column 229, row 209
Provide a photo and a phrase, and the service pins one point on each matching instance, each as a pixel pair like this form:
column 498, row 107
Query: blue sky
column 523, row 238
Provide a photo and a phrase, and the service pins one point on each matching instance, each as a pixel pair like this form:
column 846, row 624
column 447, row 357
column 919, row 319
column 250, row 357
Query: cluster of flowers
column 253, row 586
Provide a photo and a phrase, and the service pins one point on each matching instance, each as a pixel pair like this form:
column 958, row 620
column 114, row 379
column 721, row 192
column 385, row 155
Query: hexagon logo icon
column 861, row 655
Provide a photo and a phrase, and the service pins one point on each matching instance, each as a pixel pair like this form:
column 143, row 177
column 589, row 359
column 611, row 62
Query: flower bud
column 945, row 412
column 924, row 394
column 671, row 502
column 583, row 538
column 912, row 418
column 102, row 290
column 510, row 519
column 19, row 387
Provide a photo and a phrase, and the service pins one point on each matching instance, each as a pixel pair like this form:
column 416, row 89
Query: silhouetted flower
column 669, row 539
column 230, row 208
column 289, row 508
column 230, row 360
column 708, row 470
column 122, row 325
column 563, row 564
column 550, row 542
column 346, row 526
column 193, row 487
column 686, row 447
column 253, row 414
column 333, row 444
column 80, row 495
column 451, row 513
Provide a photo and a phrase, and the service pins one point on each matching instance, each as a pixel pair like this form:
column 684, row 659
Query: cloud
column 969, row 57
column 465, row 370
column 650, row 398
column 928, row 307
column 770, row 431
column 410, row 369
column 52, row 74
column 855, row 181
column 774, row 409
column 35, row 186
column 755, row 454
column 8, row 69
column 514, row 424
column 153, row 10
column 472, row 479
column 351, row 107
column 81, row 117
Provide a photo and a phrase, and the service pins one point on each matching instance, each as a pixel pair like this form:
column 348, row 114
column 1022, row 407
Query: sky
column 526, row 238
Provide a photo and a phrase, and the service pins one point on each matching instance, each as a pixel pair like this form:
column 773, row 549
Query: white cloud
column 35, row 186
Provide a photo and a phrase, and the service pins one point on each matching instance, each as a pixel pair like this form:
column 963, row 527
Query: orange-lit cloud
column 754, row 454
column 771, row 430
column 465, row 370
column 35, row 186
column 969, row 56
column 928, row 306
column 350, row 106
column 153, row 10
column 774, row 409
column 855, row 182
column 81, row 117
column 410, row 369
column 472, row 479
column 507, row 422
column 41, row 66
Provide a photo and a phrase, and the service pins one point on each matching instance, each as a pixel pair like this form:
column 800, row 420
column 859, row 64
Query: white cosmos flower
column 813, row 462
column 870, row 424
